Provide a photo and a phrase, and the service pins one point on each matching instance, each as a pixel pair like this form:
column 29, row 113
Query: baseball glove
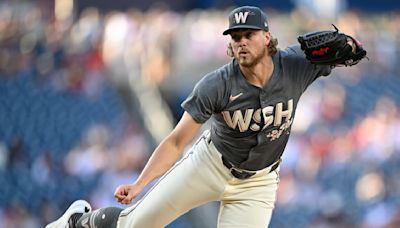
column 331, row 48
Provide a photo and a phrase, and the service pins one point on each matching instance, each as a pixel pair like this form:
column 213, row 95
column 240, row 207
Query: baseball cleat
column 79, row 206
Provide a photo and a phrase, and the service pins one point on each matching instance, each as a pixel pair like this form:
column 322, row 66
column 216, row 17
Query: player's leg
column 102, row 218
column 196, row 179
column 249, row 203
column 79, row 215
column 74, row 211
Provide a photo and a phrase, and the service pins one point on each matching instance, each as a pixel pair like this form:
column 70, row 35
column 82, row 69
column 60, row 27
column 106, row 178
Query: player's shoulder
column 291, row 52
column 293, row 59
column 218, row 81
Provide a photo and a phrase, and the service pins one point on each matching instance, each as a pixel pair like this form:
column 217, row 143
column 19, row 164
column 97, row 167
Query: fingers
column 125, row 194
column 119, row 197
column 128, row 199
column 120, row 193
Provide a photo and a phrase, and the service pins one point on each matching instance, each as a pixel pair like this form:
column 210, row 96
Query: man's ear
column 267, row 36
column 229, row 50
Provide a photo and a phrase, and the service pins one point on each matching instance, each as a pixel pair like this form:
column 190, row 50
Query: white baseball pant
column 198, row 178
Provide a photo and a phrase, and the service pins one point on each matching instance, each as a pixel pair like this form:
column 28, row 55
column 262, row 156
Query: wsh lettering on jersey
column 272, row 115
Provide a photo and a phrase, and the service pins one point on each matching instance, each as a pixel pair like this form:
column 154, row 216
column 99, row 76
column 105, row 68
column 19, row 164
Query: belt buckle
column 236, row 172
column 241, row 174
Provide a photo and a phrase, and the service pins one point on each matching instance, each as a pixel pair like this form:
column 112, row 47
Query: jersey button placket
column 263, row 98
column 264, row 103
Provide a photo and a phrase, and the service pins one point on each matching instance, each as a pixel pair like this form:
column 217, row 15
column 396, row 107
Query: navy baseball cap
column 247, row 17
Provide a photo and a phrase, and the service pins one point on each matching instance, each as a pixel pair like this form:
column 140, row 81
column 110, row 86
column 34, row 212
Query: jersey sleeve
column 305, row 72
column 206, row 98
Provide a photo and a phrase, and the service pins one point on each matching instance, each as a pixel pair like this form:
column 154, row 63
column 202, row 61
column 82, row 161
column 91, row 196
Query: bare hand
column 126, row 193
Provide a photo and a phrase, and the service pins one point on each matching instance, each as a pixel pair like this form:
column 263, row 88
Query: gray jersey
column 250, row 126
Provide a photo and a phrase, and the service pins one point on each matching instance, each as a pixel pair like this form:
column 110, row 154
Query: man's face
column 249, row 45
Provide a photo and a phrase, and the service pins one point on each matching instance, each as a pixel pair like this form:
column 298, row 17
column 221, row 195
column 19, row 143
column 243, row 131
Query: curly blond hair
column 272, row 47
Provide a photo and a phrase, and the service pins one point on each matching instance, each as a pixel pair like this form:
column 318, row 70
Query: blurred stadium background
column 89, row 87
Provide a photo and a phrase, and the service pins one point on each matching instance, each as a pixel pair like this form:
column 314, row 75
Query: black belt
column 240, row 173
column 243, row 174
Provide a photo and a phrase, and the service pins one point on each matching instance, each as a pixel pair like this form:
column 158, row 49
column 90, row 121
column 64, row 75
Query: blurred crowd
column 66, row 132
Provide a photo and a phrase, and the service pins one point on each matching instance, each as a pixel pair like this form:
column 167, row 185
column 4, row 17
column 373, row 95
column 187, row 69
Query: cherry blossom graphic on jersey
column 275, row 134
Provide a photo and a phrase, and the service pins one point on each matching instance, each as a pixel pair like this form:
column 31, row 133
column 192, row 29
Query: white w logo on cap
column 241, row 17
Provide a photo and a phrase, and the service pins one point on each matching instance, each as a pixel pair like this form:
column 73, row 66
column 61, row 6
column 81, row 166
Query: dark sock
column 101, row 218
column 74, row 219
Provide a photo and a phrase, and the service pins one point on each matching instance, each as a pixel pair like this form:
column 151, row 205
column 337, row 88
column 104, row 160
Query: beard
column 250, row 59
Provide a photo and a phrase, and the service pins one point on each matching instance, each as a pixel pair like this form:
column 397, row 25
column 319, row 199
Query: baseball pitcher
column 251, row 103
